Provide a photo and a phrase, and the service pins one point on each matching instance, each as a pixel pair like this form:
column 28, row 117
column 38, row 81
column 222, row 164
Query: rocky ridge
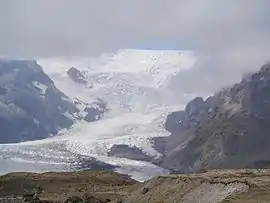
column 214, row 186
column 227, row 130
column 31, row 107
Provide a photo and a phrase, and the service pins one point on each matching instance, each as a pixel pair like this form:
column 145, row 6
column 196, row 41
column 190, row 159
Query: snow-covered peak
column 156, row 65
column 126, row 78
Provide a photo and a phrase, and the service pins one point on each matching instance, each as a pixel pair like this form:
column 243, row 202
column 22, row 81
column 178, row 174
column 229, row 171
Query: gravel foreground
column 224, row 186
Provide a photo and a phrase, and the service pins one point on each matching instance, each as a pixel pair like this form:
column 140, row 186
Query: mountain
column 31, row 107
column 113, row 111
column 125, row 151
column 120, row 102
column 182, row 124
column 227, row 130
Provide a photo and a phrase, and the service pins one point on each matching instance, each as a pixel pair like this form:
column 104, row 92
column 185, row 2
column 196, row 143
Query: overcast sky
column 228, row 36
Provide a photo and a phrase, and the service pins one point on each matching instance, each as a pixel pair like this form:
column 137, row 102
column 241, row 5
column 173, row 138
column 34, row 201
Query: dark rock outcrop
column 95, row 111
column 230, row 130
column 89, row 163
column 31, row 107
column 76, row 76
column 194, row 112
column 92, row 111
column 125, row 151
column 181, row 125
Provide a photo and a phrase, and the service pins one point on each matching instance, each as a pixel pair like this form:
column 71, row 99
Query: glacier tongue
column 135, row 85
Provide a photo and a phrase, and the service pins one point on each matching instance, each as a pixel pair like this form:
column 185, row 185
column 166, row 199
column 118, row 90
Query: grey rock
column 95, row 110
column 77, row 76
column 125, row 151
column 195, row 111
column 228, row 130
column 31, row 107
column 181, row 125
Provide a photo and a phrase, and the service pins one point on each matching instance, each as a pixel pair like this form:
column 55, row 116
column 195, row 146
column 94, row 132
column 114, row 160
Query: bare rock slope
column 228, row 130
column 210, row 187
column 31, row 107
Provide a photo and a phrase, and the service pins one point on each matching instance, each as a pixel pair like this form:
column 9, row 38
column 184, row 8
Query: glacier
column 135, row 84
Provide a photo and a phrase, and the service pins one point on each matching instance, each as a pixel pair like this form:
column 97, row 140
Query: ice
column 136, row 86
column 10, row 165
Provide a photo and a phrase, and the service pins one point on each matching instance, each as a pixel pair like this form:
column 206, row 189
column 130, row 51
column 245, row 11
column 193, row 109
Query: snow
column 135, row 85
column 40, row 86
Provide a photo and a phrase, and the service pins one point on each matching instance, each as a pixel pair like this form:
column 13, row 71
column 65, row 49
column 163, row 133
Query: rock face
column 125, row 151
column 230, row 130
column 196, row 110
column 76, row 76
column 95, row 111
column 181, row 125
column 91, row 112
column 31, row 107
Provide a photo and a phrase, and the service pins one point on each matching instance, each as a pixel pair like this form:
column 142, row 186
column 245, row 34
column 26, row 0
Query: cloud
column 229, row 37
column 68, row 27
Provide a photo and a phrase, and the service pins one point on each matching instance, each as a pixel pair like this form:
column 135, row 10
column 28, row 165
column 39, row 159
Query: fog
column 228, row 37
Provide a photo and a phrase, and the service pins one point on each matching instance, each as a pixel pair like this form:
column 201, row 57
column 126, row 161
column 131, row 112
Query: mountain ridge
column 232, row 131
column 31, row 106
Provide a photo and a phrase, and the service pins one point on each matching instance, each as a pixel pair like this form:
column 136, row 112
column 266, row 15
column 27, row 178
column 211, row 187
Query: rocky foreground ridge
column 235, row 186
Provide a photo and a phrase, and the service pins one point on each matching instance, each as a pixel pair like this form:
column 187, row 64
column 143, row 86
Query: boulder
column 76, row 76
